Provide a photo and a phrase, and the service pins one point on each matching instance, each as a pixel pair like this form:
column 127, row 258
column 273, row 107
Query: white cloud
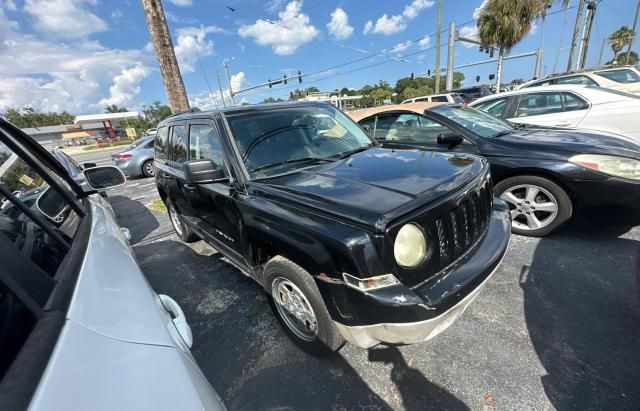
column 64, row 18
column 274, row 5
column 476, row 12
column 469, row 32
column 339, row 26
column 126, row 85
column 207, row 99
column 9, row 5
column 54, row 76
column 292, row 30
column 534, row 28
column 181, row 3
column 192, row 42
column 237, row 80
column 388, row 25
column 424, row 43
column 401, row 47
column 116, row 14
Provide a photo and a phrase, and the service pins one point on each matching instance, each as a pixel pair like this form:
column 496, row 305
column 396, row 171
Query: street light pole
column 635, row 24
column 224, row 104
column 226, row 72
column 438, row 29
column 452, row 42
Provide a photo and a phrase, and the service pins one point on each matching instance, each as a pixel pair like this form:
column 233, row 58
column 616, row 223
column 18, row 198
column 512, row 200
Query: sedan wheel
column 148, row 169
column 532, row 207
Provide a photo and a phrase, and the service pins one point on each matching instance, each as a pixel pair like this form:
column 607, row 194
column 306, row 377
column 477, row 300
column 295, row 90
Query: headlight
column 615, row 166
column 410, row 247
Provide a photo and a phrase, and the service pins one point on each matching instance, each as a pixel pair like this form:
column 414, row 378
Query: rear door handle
column 190, row 187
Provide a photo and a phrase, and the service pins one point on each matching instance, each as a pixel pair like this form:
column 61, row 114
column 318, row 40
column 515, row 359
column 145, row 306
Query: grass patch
column 158, row 206
column 103, row 145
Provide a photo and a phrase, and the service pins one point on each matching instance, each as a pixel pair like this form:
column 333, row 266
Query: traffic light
column 284, row 79
column 269, row 81
column 491, row 52
column 429, row 72
column 477, row 79
column 412, row 76
column 299, row 76
column 291, row 95
column 491, row 77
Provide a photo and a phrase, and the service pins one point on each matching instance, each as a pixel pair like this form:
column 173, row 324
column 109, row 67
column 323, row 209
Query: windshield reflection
column 474, row 120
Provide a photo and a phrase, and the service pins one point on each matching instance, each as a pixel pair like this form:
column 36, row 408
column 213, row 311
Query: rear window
column 620, row 76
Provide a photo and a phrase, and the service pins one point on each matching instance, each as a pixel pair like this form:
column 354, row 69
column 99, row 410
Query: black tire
column 564, row 208
column 151, row 170
column 327, row 338
column 181, row 229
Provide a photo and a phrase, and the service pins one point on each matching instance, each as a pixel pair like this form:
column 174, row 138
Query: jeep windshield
column 282, row 140
column 474, row 120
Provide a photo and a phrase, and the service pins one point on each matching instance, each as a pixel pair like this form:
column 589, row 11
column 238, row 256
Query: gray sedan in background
column 136, row 159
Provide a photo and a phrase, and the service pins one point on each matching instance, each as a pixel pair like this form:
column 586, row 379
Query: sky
column 81, row 55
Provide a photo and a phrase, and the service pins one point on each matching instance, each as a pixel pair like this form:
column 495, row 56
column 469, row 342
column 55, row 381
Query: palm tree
column 503, row 23
column 618, row 39
column 163, row 46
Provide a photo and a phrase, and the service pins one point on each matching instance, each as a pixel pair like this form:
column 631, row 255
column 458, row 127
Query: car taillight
column 122, row 156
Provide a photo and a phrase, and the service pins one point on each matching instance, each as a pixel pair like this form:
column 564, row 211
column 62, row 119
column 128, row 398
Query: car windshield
column 474, row 120
column 624, row 76
column 616, row 92
column 278, row 141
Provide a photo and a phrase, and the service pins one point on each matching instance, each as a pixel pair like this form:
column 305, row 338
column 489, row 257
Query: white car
column 80, row 326
column 626, row 78
column 592, row 108
column 436, row 98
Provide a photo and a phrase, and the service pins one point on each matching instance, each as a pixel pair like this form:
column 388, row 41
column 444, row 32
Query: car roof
column 580, row 89
column 195, row 113
column 418, row 108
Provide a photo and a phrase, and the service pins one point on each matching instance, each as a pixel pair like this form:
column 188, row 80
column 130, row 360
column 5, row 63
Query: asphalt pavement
column 558, row 326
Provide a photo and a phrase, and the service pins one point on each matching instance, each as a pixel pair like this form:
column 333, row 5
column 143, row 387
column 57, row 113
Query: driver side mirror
column 450, row 138
column 89, row 165
column 367, row 128
column 202, row 171
column 103, row 177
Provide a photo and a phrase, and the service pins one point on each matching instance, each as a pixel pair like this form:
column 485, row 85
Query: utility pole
column 161, row 39
column 224, row 104
column 586, row 34
column 576, row 32
column 438, row 29
column 451, row 51
column 635, row 25
column 226, row 72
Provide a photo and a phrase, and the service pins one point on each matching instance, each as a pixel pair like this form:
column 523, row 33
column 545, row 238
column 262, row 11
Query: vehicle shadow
column 582, row 311
column 416, row 390
column 134, row 216
column 239, row 344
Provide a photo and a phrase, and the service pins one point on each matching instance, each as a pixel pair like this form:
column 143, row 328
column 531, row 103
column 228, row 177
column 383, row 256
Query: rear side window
column 494, row 107
column 442, row 99
column 620, row 76
column 418, row 100
column 573, row 102
column 178, row 144
column 161, row 143
column 204, row 144
column 536, row 104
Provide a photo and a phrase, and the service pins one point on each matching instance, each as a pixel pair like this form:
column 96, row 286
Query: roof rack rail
column 191, row 110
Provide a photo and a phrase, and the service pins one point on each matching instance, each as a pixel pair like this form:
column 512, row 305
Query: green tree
column 622, row 59
column 503, row 23
column 409, row 93
column 115, row 109
column 29, row 117
column 272, row 100
column 312, row 89
column 619, row 39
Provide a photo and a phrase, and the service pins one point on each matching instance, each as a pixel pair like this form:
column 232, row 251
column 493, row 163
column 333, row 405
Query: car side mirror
column 52, row 204
column 367, row 129
column 202, row 171
column 89, row 165
column 450, row 139
column 103, row 177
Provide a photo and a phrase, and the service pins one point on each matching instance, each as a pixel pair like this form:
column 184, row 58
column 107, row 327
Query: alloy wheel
column 532, row 207
column 294, row 308
column 149, row 168
column 175, row 220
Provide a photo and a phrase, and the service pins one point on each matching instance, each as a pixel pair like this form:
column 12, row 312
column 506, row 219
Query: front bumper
column 418, row 314
column 608, row 191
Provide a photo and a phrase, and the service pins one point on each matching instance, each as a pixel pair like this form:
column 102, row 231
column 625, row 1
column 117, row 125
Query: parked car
column 351, row 241
column 469, row 94
column 136, row 159
column 544, row 174
column 80, row 327
column 436, row 98
column 594, row 108
column 625, row 78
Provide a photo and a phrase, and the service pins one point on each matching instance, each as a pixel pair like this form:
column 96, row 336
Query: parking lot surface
column 558, row 326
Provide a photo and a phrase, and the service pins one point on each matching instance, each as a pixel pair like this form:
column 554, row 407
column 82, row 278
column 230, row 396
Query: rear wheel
column 179, row 226
column 148, row 169
column 299, row 307
column 538, row 206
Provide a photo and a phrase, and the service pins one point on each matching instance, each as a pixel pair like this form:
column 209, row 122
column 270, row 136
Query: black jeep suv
column 351, row 241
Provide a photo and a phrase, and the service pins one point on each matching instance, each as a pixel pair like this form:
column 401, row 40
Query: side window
column 582, row 80
column 620, row 76
column 408, row 127
column 493, row 107
column 540, row 83
column 418, row 100
column 536, row 104
column 370, row 122
column 178, row 144
column 161, row 143
column 442, row 99
column 573, row 102
column 204, row 144
column 150, row 144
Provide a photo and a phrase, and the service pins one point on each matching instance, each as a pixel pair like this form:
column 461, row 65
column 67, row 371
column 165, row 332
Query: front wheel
column 299, row 307
column 538, row 206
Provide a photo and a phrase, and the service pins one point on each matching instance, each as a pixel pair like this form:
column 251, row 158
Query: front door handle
column 563, row 123
column 190, row 187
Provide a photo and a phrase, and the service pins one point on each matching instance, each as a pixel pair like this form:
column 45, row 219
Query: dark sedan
column 544, row 174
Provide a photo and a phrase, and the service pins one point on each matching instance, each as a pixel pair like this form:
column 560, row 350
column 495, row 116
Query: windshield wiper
column 346, row 154
column 292, row 161
column 502, row 133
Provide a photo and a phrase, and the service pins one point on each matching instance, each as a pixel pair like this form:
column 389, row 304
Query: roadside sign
column 131, row 132
column 26, row 180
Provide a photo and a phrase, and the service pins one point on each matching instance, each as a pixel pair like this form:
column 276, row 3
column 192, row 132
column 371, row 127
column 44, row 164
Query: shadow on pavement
column 416, row 390
column 238, row 342
column 136, row 217
column 583, row 314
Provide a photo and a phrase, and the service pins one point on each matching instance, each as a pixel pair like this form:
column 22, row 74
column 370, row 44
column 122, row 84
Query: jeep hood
column 375, row 186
